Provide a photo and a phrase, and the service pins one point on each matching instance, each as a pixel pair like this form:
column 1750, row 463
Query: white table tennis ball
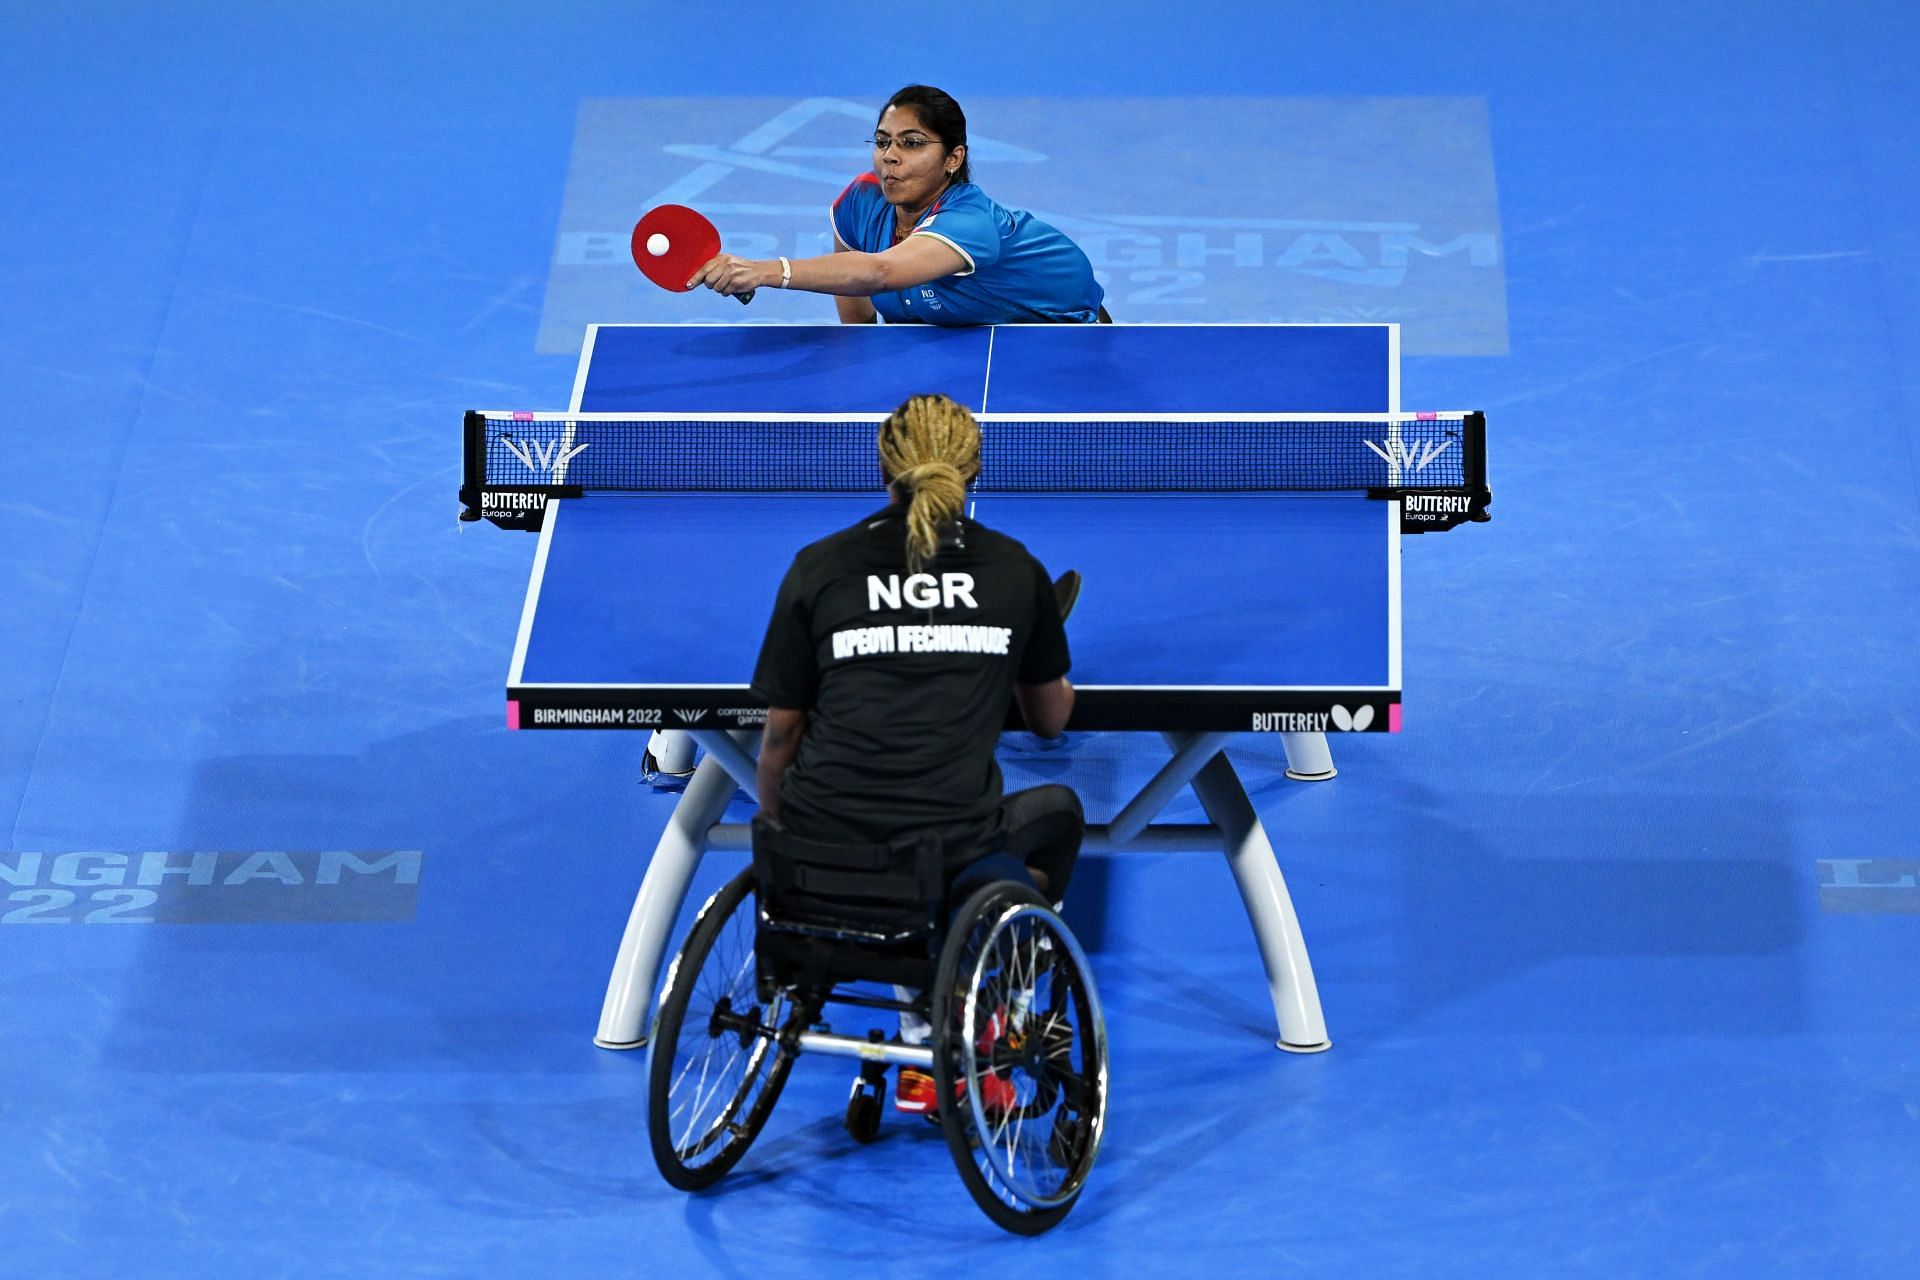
column 656, row 244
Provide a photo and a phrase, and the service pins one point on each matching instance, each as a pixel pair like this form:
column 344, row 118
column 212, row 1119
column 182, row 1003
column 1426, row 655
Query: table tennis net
column 611, row 453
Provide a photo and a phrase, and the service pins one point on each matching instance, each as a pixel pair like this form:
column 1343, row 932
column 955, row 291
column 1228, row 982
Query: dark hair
column 939, row 112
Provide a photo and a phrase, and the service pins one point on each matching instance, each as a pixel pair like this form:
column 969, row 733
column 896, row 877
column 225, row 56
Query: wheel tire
column 976, row 927
column 694, row 1164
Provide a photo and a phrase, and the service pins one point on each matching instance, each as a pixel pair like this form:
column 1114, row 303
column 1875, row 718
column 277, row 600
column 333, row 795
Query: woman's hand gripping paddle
column 671, row 243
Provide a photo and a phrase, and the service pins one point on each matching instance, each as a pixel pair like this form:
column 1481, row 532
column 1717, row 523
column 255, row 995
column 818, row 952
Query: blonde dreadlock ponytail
column 930, row 446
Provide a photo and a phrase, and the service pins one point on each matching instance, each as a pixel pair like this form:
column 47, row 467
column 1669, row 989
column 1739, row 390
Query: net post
column 473, row 463
column 1475, row 465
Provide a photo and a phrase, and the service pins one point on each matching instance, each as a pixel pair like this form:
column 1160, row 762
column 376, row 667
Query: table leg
column 623, row 1015
column 1308, row 759
column 1283, row 951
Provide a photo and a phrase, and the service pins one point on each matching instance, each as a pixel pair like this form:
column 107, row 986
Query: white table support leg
column 1308, row 759
column 636, row 970
column 1283, row 951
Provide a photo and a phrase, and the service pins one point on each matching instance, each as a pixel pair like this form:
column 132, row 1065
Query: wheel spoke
column 764, row 1056
column 701, row 1094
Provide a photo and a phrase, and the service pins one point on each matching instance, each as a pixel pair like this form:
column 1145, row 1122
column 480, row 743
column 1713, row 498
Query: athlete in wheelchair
column 885, row 853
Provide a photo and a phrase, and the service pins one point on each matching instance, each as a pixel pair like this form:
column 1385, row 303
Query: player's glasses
column 909, row 144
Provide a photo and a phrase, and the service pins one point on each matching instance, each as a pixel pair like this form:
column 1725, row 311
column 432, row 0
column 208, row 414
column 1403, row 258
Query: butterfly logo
column 1352, row 721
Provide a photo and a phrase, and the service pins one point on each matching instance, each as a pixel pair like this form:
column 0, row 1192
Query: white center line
column 986, row 381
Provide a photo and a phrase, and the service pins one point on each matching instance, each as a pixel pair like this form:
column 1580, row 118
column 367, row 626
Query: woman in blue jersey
column 916, row 241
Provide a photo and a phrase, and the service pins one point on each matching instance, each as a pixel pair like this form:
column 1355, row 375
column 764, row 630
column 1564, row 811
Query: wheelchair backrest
column 883, row 893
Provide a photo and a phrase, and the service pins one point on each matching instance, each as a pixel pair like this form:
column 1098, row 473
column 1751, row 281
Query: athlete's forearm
column 1046, row 707
column 848, row 275
column 779, row 747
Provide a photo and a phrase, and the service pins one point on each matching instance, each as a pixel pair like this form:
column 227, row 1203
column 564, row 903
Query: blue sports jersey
column 1018, row 268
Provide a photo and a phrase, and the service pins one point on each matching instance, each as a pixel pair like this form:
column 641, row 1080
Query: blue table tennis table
column 1210, row 609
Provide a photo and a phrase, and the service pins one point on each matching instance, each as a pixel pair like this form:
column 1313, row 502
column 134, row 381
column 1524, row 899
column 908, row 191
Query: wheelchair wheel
column 1020, row 1057
column 715, row 1066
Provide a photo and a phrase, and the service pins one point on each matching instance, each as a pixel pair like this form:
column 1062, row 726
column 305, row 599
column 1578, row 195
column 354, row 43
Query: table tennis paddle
column 671, row 242
column 1066, row 589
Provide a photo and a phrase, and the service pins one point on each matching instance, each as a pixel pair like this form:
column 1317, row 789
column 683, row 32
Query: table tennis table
column 694, row 460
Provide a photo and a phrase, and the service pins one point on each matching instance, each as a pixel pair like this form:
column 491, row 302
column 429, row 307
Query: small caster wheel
column 863, row 1112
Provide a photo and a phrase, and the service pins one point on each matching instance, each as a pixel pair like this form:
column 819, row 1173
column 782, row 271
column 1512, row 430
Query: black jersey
column 905, row 678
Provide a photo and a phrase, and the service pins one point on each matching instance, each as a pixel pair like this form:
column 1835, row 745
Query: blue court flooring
column 1617, row 940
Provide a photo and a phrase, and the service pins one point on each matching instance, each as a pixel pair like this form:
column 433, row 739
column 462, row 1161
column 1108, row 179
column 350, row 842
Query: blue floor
column 1616, row 940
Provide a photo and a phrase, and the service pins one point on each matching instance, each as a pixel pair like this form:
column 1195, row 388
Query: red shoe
column 914, row 1092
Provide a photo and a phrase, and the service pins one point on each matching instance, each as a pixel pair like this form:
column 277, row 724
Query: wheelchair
column 1001, row 979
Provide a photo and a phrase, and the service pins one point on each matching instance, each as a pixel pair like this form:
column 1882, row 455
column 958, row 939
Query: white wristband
column 786, row 272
